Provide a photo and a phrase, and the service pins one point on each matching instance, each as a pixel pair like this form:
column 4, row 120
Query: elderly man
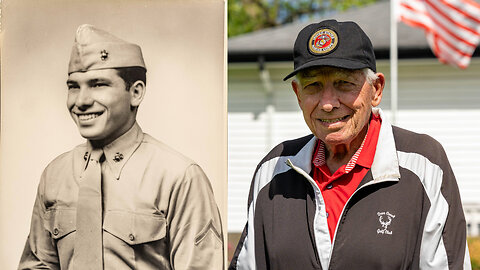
column 122, row 200
column 358, row 193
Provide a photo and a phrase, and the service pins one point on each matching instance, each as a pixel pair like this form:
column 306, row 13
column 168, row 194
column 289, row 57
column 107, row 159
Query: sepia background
column 185, row 105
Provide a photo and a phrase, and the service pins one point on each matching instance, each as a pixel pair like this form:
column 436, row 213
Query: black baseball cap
column 332, row 43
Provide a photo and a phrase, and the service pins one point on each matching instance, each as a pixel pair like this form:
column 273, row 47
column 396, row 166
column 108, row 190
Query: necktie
column 88, row 240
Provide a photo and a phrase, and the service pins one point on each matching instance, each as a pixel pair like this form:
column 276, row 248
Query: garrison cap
column 332, row 43
column 97, row 49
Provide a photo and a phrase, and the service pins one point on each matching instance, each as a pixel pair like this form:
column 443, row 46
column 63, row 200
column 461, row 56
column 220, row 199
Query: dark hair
column 132, row 74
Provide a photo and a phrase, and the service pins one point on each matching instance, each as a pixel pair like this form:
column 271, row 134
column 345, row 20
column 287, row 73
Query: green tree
column 249, row 15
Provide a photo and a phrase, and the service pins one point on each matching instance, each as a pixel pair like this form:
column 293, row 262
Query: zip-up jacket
column 405, row 214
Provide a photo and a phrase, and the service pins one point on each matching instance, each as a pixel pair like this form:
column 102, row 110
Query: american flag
column 452, row 27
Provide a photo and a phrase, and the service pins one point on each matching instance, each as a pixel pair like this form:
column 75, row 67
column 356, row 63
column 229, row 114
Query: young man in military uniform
column 122, row 200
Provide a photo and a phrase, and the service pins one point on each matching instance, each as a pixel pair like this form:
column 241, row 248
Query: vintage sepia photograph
column 113, row 134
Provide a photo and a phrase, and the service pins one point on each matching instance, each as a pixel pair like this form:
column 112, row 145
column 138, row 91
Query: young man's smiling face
column 100, row 104
column 336, row 103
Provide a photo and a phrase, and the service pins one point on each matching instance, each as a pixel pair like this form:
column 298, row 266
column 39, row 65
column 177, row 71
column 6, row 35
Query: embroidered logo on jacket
column 385, row 219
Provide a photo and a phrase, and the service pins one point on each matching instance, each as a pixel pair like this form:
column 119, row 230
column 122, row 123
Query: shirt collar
column 118, row 152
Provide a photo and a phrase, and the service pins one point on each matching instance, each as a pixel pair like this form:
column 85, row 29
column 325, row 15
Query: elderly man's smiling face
column 337, row 103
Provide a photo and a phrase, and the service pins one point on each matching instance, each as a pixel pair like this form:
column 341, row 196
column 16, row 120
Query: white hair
column 370, row 76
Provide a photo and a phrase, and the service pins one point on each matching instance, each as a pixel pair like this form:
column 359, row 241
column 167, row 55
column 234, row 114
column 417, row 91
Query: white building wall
column 472, row 215
column 438, row 100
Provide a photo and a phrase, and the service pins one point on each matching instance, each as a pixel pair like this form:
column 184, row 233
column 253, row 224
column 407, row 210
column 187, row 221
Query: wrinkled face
column 336, row 103
column 99, row 104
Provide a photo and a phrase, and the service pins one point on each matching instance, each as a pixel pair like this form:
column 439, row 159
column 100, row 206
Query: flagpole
column 393, row 62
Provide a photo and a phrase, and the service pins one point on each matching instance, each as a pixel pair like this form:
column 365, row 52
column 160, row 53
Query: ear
column 137, row 92
column 378, row 86
column 296, row 88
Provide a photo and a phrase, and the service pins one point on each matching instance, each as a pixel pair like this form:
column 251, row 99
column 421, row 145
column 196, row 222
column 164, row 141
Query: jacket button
column 55, row 231
column 131, row 237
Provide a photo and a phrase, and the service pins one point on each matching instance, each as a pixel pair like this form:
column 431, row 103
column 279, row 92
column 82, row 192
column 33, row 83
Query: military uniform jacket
column 158, row 210
column 405, row 214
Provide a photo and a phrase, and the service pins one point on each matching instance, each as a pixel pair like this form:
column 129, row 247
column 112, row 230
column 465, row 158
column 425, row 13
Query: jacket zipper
column 316, row 190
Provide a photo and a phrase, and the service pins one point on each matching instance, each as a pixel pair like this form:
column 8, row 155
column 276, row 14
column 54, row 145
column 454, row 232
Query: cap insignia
column 323, row 41
column 103, row 55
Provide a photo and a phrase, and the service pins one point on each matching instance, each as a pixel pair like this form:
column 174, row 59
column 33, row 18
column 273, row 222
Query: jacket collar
column 385, row 163
column 303, row 159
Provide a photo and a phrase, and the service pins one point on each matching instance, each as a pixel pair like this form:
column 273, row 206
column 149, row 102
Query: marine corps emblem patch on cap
column 323, row 41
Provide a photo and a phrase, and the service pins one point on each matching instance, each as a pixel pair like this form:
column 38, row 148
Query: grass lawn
column 474, row 248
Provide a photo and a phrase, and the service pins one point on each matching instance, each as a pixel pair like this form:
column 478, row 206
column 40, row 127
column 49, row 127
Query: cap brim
column 331, row 62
